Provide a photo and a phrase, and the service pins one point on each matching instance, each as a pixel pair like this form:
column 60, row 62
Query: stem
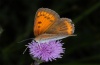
column 36, row 63
column 87, row 12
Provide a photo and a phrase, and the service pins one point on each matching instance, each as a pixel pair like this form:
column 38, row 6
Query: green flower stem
column 87, row 12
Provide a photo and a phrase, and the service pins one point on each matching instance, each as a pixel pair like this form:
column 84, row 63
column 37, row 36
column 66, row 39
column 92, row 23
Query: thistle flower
column 46, row 51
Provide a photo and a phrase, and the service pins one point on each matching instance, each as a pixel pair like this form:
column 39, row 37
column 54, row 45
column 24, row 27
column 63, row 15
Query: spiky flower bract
column 47, row 51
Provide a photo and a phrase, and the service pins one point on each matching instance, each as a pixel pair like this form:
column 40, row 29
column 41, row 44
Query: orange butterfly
column 49, row 26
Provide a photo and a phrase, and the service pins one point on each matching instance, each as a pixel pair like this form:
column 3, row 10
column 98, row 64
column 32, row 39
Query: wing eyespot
column 51, row 20
column 38, row 16
column 48, row 17
column 45, row 17
column 39, row 22
column 38, row 26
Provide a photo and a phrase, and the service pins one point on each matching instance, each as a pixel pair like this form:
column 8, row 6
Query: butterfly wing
column 64, row 26
column 44, row 19
column 50, row 37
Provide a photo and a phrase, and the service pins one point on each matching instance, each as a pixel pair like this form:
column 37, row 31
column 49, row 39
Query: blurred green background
column 16, row 24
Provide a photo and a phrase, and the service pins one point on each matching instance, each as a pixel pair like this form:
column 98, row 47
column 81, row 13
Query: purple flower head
column 46, row 51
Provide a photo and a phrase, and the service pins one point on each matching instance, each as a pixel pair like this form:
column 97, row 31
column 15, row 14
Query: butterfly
column 49, row 26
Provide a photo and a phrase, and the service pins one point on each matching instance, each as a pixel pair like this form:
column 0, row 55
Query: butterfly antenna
column 25, row 40
column 73, row 35
column 25, row 50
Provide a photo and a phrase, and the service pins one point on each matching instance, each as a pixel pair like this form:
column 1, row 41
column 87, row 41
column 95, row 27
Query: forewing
column 44, row 19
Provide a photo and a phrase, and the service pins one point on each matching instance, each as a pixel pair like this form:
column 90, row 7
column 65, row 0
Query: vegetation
column 16, row 24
